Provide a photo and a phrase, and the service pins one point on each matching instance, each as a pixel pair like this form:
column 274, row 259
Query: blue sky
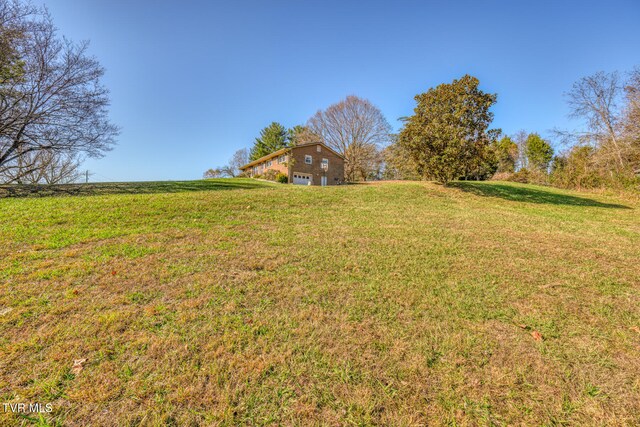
column 193, row 81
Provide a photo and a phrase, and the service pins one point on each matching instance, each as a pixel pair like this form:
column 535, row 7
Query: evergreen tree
column 539, row 152
column 506, row 152
column 272, row 138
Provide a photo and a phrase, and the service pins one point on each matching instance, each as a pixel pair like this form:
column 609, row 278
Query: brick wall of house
column 334, row 173
column 262, row 168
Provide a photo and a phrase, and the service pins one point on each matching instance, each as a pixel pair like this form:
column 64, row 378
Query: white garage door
column 301, row 178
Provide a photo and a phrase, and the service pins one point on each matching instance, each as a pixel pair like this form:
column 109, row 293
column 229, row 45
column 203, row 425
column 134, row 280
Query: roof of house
column 284, row 150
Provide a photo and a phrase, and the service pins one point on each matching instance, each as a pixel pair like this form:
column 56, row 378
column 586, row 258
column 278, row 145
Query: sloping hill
column 387, row 304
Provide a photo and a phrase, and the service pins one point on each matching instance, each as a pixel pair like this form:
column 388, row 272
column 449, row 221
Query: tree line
column 449, row 137
column 53, row 106
column 354, row 127
column 54, row 112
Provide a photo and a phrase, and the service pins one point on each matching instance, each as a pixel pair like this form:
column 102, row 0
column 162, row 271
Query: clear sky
column 193, row 81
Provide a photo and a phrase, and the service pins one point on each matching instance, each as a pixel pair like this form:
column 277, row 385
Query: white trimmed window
column 308, row 159
column 282, row 159
column 318, row 148
column 324, row 164
column 269, row 163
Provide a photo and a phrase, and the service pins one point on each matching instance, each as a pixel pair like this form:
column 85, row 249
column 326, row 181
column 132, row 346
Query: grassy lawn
column 388, row 304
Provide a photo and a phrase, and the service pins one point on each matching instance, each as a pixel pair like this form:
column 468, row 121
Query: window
column 324, row 164
column 269, row 163
column 282, row 159
column 319, row 148
column 308, row 159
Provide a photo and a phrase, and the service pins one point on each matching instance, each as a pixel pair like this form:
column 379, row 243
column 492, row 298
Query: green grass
column 385, row 304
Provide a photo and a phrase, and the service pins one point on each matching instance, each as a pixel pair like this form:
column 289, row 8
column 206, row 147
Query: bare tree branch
column 55, row 103
column 42, row 167
column 596, row 98
column 356, row 129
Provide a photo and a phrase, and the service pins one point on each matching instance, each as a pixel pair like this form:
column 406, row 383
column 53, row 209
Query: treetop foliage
column 506, row 152
column 539, row 152
column 272, row 138
column 448, row 135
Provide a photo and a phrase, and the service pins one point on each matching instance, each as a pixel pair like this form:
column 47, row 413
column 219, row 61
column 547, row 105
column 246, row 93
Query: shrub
column 282, row 178
column 502, row 176
column 524, row 176
column 582, row 167
column 270, row 175
column 521, row 176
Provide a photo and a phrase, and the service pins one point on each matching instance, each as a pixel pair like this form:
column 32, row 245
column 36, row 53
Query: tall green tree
column 272, row 138
column 506, row 152
column 539, row 152
column 449, row 130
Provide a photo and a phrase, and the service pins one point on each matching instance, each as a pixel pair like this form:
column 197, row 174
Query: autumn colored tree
column 609, row 105
column 574, row 169
column 449, row 130
column 631, row 121
column 596, row 100
column 398, row 164
column 300, row 134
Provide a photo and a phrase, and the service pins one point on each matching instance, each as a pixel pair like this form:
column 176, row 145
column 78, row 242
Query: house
column 305, row 164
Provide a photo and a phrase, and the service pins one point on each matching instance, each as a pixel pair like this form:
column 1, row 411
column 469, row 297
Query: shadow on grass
column 529, row 195
column 150, row 187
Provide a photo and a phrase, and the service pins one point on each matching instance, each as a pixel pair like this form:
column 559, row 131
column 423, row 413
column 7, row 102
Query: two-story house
column 306, row 164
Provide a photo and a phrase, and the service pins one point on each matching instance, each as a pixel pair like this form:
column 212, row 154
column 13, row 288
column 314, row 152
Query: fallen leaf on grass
column 635, row 329
column 77, row 366
column 536, row 335
column 523, row 326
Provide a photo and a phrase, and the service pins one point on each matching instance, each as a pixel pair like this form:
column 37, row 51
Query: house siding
column 262, row 168
column 295, row 163
column 334, row 173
